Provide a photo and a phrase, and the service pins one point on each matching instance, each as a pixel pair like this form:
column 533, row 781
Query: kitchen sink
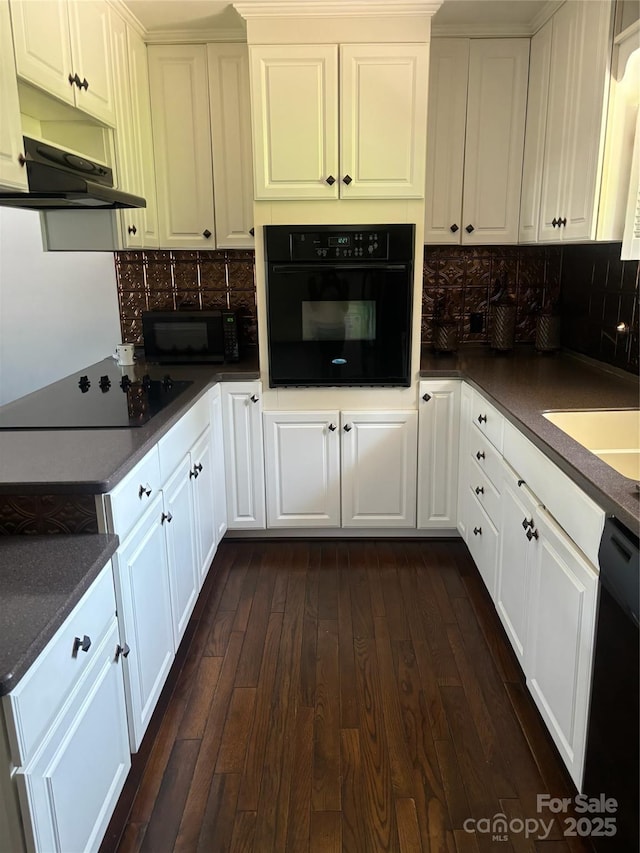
column 612, row 435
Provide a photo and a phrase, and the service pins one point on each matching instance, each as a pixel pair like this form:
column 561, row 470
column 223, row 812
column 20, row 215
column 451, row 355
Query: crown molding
column 195, row 36
column 493, row 30
column 334, row 8
column 127, row 15
column 539, row 20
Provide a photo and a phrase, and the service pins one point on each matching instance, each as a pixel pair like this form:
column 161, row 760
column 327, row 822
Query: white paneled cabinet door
column 144, row 610
column 72, row 786
column 182, row 145
column 219, row 465
column 302, row 453
column 496, row 108
column 295, row 121
column 89, row 30
column 179, row 525
column 447, row 116
column 464, row 463
column 244, row 455
column 203, row 476
column 560, row 635
column 438, row 447
column 379, row 453
column 12, row 174
column 230, row 105
column 383, row 116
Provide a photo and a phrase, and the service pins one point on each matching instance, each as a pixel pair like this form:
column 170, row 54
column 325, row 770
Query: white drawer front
column 488, row 419
column 485, row 455
column 131, row 497
column 576, row 513
column 482, row 540
column 485, row 491
column 45, row 688
column 175, row 445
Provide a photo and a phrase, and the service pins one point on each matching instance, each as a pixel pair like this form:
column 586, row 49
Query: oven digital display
column 343, row 240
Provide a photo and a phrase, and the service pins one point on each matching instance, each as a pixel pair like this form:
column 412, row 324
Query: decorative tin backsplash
column 463, row 279
column 599, row 291
column 40, row 514
column 169, row 281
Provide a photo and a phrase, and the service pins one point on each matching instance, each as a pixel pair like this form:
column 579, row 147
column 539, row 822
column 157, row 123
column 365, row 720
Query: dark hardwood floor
column 343, row 695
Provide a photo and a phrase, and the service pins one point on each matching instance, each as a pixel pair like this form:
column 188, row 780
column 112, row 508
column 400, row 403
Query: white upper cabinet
column 339, row 122
column 230, row 107
column 64, row 48
column 481, row 204
column 12, row 173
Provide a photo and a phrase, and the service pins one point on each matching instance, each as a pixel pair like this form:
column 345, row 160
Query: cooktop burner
column 106, row 397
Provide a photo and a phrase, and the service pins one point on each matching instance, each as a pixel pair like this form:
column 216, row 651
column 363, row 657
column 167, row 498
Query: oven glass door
column 339, row 324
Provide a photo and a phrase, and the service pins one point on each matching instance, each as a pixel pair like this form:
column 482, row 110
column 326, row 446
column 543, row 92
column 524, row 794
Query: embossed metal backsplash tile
column 46, row 514
column 198, row 281
column 462, row 279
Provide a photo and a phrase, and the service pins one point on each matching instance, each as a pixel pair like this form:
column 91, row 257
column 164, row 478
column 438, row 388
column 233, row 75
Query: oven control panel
column 340, row 246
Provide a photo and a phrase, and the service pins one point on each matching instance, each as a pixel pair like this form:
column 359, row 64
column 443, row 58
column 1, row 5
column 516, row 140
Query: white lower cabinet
column 438, row 450
column 482, row 541
column 218, row 463
column 203, row 475
column 244, row 455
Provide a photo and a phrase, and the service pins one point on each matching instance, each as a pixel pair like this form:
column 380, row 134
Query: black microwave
column 190, row 337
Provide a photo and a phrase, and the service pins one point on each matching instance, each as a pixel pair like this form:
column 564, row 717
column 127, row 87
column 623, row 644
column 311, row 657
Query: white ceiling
column 158, row 16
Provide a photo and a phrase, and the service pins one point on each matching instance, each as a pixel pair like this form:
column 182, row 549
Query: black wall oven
column 339, row 304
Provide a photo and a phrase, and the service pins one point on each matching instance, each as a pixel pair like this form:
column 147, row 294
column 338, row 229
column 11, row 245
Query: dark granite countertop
column 42, row 578
column 524, row 384
column 93, row 461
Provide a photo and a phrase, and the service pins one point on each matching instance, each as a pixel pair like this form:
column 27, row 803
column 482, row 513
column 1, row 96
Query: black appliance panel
column 190, row 337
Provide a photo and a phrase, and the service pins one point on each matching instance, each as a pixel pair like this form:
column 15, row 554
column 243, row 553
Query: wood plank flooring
column 355, row 696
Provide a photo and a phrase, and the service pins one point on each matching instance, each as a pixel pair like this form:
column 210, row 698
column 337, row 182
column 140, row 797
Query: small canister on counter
column 502, row 317
column 445, row 325
column 548, row 332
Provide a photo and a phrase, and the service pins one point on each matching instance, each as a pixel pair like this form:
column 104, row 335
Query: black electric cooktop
column 106, row 397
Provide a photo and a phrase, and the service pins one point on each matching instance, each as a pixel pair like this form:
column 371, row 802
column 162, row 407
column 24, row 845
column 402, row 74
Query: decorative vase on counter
column 548, row 333
column 445, row 325
column 503, row 318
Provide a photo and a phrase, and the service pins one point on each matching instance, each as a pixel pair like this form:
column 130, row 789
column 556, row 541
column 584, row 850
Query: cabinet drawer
column 482, row 541
column 487, row 419
column 45, row 688
column 485, row 455
column 175, row 445
column 484, row 490
column 131, row 497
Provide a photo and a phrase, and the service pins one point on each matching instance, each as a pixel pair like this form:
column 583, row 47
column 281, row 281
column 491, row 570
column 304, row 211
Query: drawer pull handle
column 479, row 490
column 83, row 645
column 477, row 531
column 144, row 490
column 122, row 650
column 482, row 419
column 166, row 516
column 527, row 522
column 480, row 454
column 532, row 534
column 254, row 398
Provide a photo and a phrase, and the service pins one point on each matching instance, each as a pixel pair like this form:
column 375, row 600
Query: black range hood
column 61, row 180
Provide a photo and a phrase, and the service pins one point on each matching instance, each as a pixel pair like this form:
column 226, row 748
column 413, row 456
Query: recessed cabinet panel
column 244, row 456
column 204, row 475
column 178, row 520
column 438, row 447
column 219, row 464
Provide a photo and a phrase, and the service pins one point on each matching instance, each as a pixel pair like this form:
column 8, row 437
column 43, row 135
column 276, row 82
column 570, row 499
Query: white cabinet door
column 379, row 454
column 219, row 465
column 203, row 476
column 496, row 108
column 560, row 635
column 466, row 402
column 383, row 115
column 182, row 145
column 482, row 540
column 438, row 448
column 295, row 121
column 12, row 174
column 42, row 46
column 302, row 453
column 230, row 105
column 144, row 610
column 70, row 789
column 244, row 455
column 179, row 526
column 89, row 30
column 517, row 554
column 446, row 122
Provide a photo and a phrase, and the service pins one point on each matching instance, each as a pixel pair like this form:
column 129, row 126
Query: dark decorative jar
column 445, row 325
column 548, row 333
column 503, row 318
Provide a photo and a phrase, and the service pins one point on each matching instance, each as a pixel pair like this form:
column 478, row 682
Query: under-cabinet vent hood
column 61, row 180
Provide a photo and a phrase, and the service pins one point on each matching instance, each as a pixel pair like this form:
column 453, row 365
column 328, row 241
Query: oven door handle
column 292, row 270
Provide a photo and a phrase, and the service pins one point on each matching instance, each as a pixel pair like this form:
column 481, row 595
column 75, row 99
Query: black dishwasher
column 612, row 758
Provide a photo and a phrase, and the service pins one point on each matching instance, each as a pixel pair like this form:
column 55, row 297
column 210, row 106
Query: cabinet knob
column 206, row 233
column 83, row 645
column 166, row 516
column 532, row 534
column 330, row 180
column 254, row 398
column 482, row 419
column 347, row 179
column 469, row 229
column 74, row 80
column 22, row 160
column 477, row 531
column 332, row 427
column 555, row 222
column 520, row 483
column 480, row 454
column 252, row 231
column 426, row 397
column 347, row 427
column 527, row 522
column 454, row 228
column 122, row 650
column 479, row 490
column 144, row 490
column 84, row 85
column 562, row 222
column 132, row 229
column 193, row 474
